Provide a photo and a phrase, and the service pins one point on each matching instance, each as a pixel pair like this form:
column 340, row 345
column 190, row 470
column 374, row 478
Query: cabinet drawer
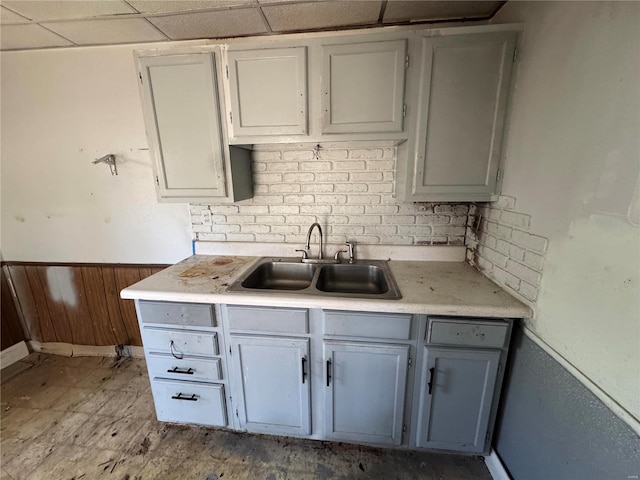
column 370, row 325
column 187, row 368
column 188, row 402
column 266, row 319
column 187, row 314
column 180, row 342
column 470, row 333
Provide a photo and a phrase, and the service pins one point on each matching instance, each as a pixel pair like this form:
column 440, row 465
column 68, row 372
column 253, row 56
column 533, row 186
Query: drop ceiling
column 29, row 24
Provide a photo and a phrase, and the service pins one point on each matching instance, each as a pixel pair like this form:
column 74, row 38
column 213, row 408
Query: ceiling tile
column 401, row 11
column 162, row 6
column 29, row 36
column 101, row 32
column 7, row 16
column 221, row 23
column 62, row 10
column 314, row 15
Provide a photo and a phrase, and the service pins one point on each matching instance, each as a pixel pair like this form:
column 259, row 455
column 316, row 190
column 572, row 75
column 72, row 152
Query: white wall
column 61, row 109
column 573, row 159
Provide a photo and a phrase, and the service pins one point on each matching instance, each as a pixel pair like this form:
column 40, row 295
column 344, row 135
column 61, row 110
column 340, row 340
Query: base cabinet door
column 457, row 387
column 365, row 391
column 273, row 383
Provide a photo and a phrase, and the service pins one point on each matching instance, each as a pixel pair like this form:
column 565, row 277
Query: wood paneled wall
column 11, row 331
column 78, row 303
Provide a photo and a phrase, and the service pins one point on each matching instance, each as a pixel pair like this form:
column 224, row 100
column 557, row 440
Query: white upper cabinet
column 363, row 87
column 181, row 108
column 268, row 90
column 463, row 88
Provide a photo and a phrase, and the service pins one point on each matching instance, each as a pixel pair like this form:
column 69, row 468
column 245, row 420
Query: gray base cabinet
column 274, row 384
column 458, row 383
column 457, row 394
column 372, row 378
column 365, row 391
column 184, row 348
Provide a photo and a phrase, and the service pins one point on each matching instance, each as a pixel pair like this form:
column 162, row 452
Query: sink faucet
column 308, row 246
column 305, row 252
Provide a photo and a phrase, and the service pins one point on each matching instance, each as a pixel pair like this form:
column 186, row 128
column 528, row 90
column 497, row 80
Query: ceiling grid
column 30, row 24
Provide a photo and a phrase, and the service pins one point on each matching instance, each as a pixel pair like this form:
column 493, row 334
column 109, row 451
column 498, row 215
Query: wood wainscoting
column 11, row 331
column 77, row 304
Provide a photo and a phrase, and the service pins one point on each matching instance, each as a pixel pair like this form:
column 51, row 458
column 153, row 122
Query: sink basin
column 350, row 278
column 280, row 276
column 362, row 279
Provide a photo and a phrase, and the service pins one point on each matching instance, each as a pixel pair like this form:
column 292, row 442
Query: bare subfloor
column 84, row 418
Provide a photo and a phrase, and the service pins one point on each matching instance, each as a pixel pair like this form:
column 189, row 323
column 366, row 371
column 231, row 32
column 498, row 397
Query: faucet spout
column 316, row 224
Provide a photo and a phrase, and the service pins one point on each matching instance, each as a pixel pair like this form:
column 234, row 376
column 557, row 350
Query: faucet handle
column 305, row 254
column 337, row 255
column 351, row 246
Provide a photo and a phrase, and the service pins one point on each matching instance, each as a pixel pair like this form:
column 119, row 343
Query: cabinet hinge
column 515, row 54
column 238, row 415
column 231, row 117
column 406, row 61
column 499, row 175
column 404, row 110
column 410, row 362
column 486, row 438
column 404, row 429
column 499, row 367
column 229, row 350
column 227, row 69
column 157, row 180
column 140, row 76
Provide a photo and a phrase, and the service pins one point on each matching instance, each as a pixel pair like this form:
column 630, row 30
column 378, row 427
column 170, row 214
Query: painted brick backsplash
column 504, row 250
column 348, row 191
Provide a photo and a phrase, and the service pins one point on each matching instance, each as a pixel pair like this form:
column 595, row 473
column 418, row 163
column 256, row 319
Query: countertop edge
column 330, row 303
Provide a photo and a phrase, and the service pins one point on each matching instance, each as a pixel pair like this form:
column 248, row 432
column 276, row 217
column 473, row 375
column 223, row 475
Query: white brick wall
column 348, row 191
column 505, row 250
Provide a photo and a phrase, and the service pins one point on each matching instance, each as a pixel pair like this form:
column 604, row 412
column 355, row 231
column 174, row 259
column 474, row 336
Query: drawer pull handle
column 304, row 373
column 328, row 372
column 431, row 370
column 192, row 398
column 180, row 356
column 181, row 371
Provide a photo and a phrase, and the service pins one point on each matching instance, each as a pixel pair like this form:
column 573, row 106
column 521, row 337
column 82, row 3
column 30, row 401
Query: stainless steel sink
column 353, row 278
column 361, row 279
column 280, row 276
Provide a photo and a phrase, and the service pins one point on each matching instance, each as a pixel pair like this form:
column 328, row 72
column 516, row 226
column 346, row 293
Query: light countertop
column 435, row 288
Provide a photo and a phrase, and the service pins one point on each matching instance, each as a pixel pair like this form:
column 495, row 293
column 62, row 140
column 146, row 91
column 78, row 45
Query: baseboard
column 495, row 466
column 14, row 353
column 71, row 350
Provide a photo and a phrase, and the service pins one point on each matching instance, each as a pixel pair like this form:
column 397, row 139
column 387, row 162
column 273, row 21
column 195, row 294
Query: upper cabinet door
column 363, row 87
column 463, row 90
column 182, row 117
column 268, row 90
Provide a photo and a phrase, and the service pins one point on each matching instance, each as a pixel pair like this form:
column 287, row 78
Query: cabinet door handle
column 431, row 370
column 328, row 372
column 192, row 398
column 304, row 373
column 175, row 355
column 181, row 371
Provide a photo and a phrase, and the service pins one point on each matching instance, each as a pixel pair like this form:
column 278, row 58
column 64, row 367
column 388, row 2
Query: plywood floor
column 83, row 419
